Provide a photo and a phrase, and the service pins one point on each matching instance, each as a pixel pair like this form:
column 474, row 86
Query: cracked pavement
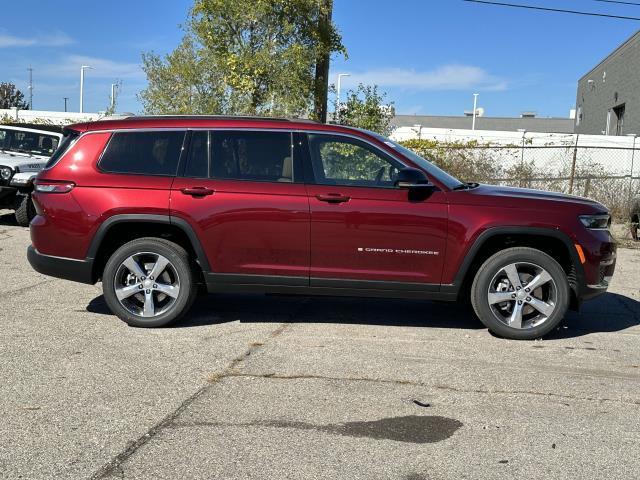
column 255, row 387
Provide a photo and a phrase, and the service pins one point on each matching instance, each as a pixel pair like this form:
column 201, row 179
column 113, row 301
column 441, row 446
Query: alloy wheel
column 147, row 284
column 522, row 295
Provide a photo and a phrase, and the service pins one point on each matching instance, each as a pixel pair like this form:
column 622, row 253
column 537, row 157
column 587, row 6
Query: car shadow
column 213, row 309
column 8, row 219
column 608, row 313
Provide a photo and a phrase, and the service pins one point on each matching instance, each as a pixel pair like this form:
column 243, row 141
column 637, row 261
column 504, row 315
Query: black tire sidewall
column 514, row 255
column 180, row 260
column 25, row 210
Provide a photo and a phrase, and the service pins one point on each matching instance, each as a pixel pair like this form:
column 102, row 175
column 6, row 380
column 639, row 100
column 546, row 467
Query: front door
column 243, row 194
column 365, row 232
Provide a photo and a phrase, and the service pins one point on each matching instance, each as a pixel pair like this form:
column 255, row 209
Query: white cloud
column 102, row 68
column 446, row 77
column 56, row 39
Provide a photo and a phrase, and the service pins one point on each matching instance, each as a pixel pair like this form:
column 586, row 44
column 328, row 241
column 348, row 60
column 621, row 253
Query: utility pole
column 475, row 109
column 321, row 83
column 30, row 87
column 65, row 103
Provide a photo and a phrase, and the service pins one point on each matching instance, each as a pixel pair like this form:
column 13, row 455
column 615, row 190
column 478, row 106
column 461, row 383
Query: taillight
column 53, row 186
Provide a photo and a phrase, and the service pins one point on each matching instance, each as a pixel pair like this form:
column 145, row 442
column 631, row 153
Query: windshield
column 443, row 177
column 32, row 143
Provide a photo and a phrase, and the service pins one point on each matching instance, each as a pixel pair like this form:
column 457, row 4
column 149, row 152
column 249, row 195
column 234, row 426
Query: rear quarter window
column 145, row 153
column 69, row 138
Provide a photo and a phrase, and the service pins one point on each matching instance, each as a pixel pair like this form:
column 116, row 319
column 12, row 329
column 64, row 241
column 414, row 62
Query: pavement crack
column 115, row 465
column 25, row 289
column 276, row 376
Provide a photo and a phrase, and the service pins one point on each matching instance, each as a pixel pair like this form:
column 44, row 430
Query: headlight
column 5, row 173
column 596, row 222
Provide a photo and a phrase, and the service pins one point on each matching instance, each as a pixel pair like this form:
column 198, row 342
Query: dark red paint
column 297, row 229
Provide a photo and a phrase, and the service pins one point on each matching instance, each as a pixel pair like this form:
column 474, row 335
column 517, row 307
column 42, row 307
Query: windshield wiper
column 466, row 186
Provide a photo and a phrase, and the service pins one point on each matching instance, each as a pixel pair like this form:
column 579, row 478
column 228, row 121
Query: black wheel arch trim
column 181, row 223
column 515, row 230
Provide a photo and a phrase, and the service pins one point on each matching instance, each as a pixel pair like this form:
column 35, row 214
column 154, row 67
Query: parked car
column 157, row 206
column 634, row 216
column 24, row 151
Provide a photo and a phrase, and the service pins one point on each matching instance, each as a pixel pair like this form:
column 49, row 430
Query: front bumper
column 605, row 273
column 60, row 267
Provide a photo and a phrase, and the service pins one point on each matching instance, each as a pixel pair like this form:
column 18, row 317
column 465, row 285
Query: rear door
column 365, row 232
column 242, row 192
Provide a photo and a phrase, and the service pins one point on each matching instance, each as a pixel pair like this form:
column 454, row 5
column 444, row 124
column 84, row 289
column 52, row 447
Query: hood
column 507, row 193
column 23, row 161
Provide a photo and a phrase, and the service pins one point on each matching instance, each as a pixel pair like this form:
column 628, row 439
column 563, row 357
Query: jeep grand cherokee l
column 157, row 206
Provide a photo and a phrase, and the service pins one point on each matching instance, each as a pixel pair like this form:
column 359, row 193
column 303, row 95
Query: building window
column 579, row 116
column 619, row 118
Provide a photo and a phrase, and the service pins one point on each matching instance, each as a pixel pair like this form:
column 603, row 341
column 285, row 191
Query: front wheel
column 148, row 282
column 520, row 293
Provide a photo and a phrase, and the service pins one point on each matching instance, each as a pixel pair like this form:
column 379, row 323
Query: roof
column 513, row 124
column 194, row 121
column 618, row 50
column 34, row 127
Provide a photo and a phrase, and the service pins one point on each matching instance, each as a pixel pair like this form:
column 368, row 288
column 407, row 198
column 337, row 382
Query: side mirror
column 413, row 179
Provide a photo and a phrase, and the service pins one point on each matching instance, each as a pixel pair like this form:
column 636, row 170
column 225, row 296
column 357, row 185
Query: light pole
column 340, row 75
column 65, row 103
column 30, row 70
column 114, row 92
column 82, row 69
column 475, row 106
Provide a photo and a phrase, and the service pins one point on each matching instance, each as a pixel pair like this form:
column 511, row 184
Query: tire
column 147, row 301
column 25, row 211
column 516, row 317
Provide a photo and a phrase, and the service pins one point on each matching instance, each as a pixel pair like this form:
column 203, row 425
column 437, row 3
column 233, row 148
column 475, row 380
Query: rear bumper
column 60, row 267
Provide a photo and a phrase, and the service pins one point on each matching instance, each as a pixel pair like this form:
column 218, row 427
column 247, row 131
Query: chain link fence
column 608, row 174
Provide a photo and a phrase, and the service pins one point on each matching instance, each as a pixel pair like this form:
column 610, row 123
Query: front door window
column 345, row 161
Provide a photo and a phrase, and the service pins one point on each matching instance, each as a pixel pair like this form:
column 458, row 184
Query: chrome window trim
column 290, row 130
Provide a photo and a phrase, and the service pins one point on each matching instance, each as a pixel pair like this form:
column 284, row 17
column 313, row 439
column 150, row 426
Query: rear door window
column 146, row 153
column 252, row 155
column 198, row 158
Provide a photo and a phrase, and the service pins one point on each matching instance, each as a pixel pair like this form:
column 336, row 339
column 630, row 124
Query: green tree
column 11, row 97
column 366, row 108
column 249, row 57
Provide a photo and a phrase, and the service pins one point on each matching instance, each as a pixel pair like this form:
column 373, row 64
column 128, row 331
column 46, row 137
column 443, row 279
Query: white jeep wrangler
column 24, row 151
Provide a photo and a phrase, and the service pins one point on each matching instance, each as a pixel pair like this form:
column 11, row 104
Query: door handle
column 197, row 191
column 333, row 198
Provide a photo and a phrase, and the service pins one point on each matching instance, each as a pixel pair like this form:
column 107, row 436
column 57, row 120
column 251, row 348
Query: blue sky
column 430, row 56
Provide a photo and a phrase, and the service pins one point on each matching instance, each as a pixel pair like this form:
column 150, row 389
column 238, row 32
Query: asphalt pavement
column 274, row 387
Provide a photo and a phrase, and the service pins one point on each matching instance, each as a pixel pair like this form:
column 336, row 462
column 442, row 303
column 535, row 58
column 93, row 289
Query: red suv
column 157, row 207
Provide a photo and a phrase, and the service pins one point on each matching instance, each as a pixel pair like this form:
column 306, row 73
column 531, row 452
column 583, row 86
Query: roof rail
column 217, row 117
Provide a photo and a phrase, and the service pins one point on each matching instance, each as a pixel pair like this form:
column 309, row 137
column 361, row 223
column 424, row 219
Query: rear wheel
column 148, row 282
column 520, row 293
column 25, row 211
